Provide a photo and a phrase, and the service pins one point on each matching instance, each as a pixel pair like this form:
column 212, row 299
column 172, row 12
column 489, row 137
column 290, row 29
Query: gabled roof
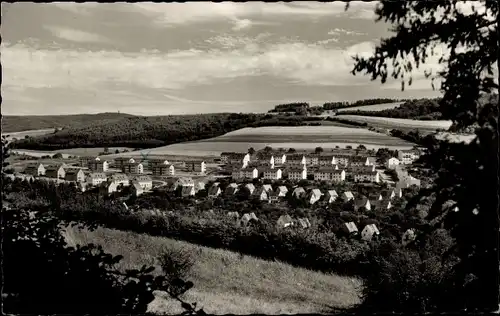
column 187, row 190
column 299, row 190
column 361, row 202
column 371, row 229
column 332, row 193
column 304, row 222
column 372, row 160
column 132, row 164
column 97, row 175
column 296, row 169
column 119, row 177
column 330, row 169
column 54, row 167
column 351, row 227
column 348, row 194
column 143, row 178
column 282, row 188
column 250, row 186
column 137, row 186
column 316, row 192
column 267, row 187
column 295, row 157
column 71, row 172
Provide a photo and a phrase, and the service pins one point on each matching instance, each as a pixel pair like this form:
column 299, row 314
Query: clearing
column 226, row 282
column 374, row 107
column 390, row 123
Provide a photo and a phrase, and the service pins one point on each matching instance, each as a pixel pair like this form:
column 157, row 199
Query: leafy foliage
column 346, row 104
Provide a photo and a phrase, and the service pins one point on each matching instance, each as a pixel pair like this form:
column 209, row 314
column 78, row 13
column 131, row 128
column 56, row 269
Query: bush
column 176, row 263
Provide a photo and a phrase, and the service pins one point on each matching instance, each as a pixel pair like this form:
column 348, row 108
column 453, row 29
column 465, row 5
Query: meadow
column 395, row 123
column 30, row 133
column 227, row 282
column 374, row 107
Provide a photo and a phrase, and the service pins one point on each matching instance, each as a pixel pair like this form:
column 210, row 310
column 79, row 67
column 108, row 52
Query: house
column 360, row 169
column 350, row 228
column 181, row 182
column 121, row 161
column 375, row 197
column 304, row 222
column 331, row 196
column 363, row 202
column 326, row 160
column 247, row 218
column 96, row 178
column 120, row 178
column 137, row 189
column 281, row 191
column 329, row 174
column 392, row 163
column 84, row 160
column 214, row 190
column 36, row 169
column 381, row 204
column 157, row 162
column 109, row 187
column 388, row 194
column 369, row 176
column 408, row 236
column 188, row 191
column 98, row 165
column 311, row 160
column 75, row 175
column 55, row 171
column 314, row 196
column 372, row 161
column 199, row 167
column 261, row 194
column 249, row 173
column 163, row 170
column 145, row 182
column 267, row 187
column 231, row 189
column 199, row 185
column 297, row 173
column 369, row 232
column 347, row 196
column 272, row 174
column 358, row 161
column 279, row 159
column 342, row 160
column 267, row 159
column 273, row 196
column 284, row 221
column 299, row 192
column 250, row 187
column 235, row 158
column 296, row 160
column 133, row 167
column 407, row 157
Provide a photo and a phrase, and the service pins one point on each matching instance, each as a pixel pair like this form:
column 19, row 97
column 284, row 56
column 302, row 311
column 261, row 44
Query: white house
column 347, row 196
column 75, row 175
column 358, row 161
column 312, row 160
column 163, row 170
column 369, row 232
column 370, row 176
column 296, row 160
column 297, row 173
column 407, row 157
column 299, row 192
column 137, row 189
column 145, row 182
column 362, row 203
column 96, row 178
column 267, row 159
column 36, row 169
column 281, row 191
column 133, row 167
column 235, row 158
column 98, row 165
column 343, row 160
column 392, row 163
column 250, row 187
column 329, row 174
column 350, row 228
column 279, row 159
column 272, row 173
column 314, row 196
column 214, row 190
column 110, row 187
column 261, row 194
column 331, row 196
column 326, row 161
column 120, row 178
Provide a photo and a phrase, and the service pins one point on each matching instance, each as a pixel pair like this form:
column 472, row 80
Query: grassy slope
column 226, row 282
column 17, row 123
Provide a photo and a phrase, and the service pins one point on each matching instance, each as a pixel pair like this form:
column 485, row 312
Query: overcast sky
column 158, row 59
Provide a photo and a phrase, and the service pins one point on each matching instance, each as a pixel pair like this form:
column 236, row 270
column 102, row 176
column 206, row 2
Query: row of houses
column 296, row 159
column 331, row 173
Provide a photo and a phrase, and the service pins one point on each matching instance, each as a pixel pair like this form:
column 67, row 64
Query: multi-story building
column 297, row 173
column 235, row 158
column 156, row 162
column 245, row 173
column 98, row 165
column 55, row 171
column 120, row 178
column 272, row 173
column 296, row 160
column 96, row 178
column 392, row 163
column 163, row 170
column 367, row 176
column 35, row 169
column 133, row 167
column 326, row 160
column 121, row 161
column 312, row 160
column 144, row 181
column 279, row 159
column 329, row 174
column 407, row 157
column 75, row 175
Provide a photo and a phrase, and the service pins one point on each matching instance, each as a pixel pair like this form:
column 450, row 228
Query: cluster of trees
column 148, row 132
column 347, row 104
column 297, row 107
column 421, row 109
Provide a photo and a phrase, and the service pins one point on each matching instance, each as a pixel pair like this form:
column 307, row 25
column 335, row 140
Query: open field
column 31, row 133
column 69, row 152
column 390, row 123
column 226, row 282
column 300, row 137
column 374, row 107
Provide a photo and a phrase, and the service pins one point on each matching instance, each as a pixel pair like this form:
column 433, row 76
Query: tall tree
column 466, row 173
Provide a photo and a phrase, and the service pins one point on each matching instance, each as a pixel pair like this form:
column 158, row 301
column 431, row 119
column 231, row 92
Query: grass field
column 228, row 283
column 31, row 133
column 69, row 152
column 374, row 107
column 390, row 123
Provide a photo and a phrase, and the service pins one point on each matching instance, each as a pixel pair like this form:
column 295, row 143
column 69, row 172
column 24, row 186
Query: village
column 293, row 175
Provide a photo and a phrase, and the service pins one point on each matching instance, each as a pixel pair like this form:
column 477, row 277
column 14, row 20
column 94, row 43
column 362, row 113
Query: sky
column 183, row 58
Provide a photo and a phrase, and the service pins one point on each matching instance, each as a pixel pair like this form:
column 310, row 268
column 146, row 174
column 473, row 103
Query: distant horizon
column 185, row 58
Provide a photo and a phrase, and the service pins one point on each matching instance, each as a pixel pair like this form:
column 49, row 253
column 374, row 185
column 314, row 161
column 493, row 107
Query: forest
column 421, row 109
column 347, row 104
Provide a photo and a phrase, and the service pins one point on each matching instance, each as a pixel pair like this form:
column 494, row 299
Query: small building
column 331, row 196
column 163, row 170
column 55, row 171
column 279, row 159
column 281, row 191
column 121, row 161
column 326, row 160
column 144, row 181
column 235, row 158
column 98, row 165
column 297, row 173
column 329, row 174
column 120, row 179
column 369, row 232
column 392, row 163
column 347, row 196
column 214, row 190
column 248, row 218
column 35, row 169
column 231, row 189
column 250, row 187
column 407, row 157
column 261, row 194
column 109, row 187
column 350, row 228
column 272, row 173
column 299, row 193
column 363, row 202
column 188, row 191
column 75, row 175
column 296, row 160
column 133, row 168
column 180, row 182
column 284, row 221
column 96, row 178
column 408, row 236
column 267, row 187
column 314, row 196
column 312, row 160
column 370, row 176
column 137, row 189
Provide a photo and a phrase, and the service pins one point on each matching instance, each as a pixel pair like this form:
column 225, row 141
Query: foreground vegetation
column 227, row 282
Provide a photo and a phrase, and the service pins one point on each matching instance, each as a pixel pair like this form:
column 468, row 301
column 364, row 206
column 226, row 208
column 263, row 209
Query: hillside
column 18, row 123
column 152, row 131
column 226, row 282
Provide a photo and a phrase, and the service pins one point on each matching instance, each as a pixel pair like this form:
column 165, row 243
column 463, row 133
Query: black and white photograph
column 298, row 157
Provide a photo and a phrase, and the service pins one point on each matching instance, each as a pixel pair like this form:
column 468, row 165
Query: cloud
column 76, row 35
column 242, row 24
column 338, row 31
